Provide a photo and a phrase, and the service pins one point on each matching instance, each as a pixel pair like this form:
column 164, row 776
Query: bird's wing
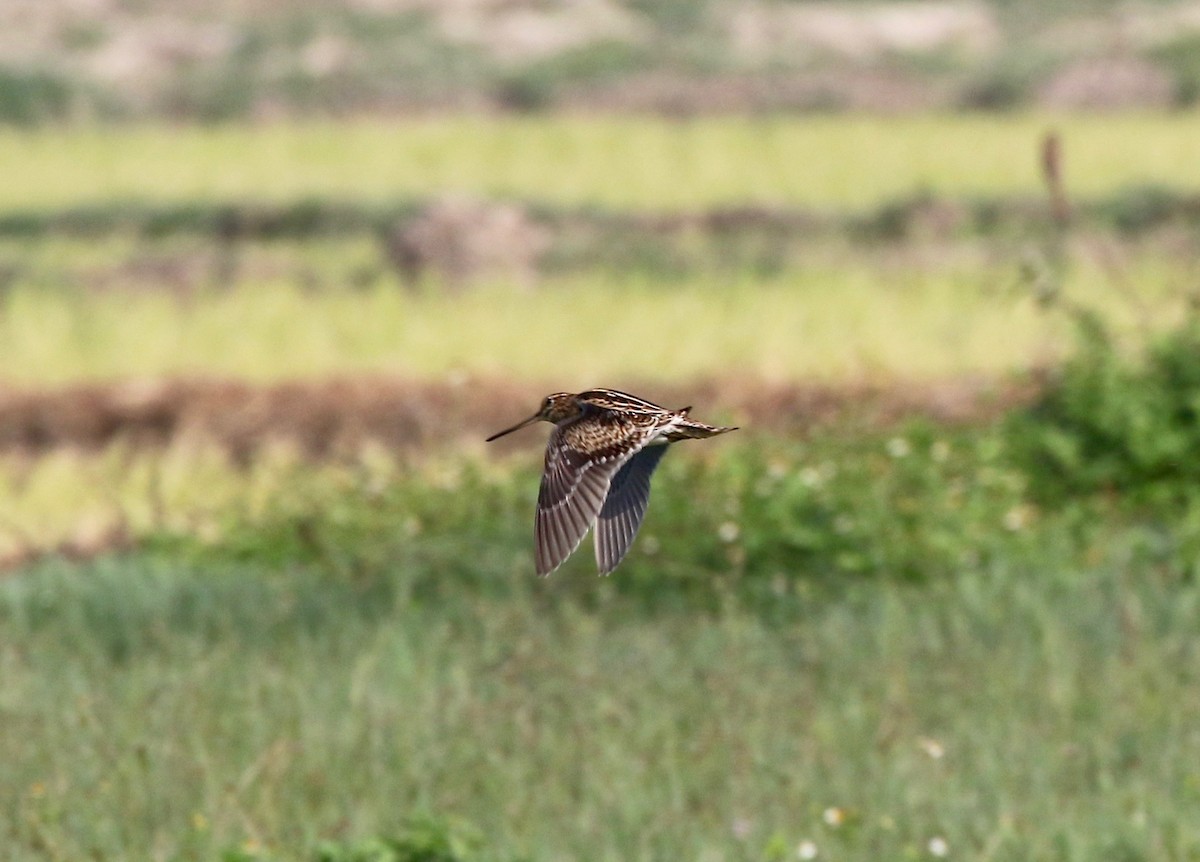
column 625, row 506
column 581, row 459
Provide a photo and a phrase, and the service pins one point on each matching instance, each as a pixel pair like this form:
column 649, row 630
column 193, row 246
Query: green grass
column 883, row 631
column 828, row 162
column 153, row 707
column 758, row 508
column 302, row 654
column 834, row 315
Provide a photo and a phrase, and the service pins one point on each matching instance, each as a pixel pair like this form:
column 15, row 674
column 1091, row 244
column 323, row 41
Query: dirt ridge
column 337, row 415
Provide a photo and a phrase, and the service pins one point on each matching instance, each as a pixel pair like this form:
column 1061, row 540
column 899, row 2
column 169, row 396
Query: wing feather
column 582, row 457
column 621, row 516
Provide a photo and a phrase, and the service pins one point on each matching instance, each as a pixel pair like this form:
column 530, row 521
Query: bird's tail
column 687, row 428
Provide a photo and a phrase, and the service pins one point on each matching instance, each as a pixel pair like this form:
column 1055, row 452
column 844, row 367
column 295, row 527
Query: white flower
column 833, row 816
column 728, row 532
column 932, row 747
column 650, row 545
column 1016, row 518
column 806, row 850
column 810, row 477
column 938, row 846
column 898, row 447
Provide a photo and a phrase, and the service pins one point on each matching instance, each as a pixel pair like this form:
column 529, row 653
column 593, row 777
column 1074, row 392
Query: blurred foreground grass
column 1025, row 707
column 320, row 308
column 836, row 162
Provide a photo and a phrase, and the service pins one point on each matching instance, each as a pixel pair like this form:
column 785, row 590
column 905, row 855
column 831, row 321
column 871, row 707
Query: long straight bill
column 535, row 417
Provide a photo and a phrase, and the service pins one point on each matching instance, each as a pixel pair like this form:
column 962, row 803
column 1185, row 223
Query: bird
column 604, row 447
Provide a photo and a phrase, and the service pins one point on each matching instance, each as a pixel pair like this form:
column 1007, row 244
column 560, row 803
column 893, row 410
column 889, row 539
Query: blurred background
column 271, row 271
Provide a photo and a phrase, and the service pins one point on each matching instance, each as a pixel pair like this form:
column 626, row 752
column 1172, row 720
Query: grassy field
column 880, row 646
column 1019, row 710
column 908, row 642
column 819, row 161
column 835, row 315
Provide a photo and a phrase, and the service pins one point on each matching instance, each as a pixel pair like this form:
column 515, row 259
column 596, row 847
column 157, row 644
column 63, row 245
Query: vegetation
column 909, row 641
column 758, row 235
column 678, row 57
column 345, row 661
column 825, row 163
column 76, row 310
column 871, row 645
column 1116, row 424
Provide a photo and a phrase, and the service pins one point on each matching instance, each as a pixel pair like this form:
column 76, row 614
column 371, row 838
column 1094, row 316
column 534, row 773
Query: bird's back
column 672, row 425
column 620, row 402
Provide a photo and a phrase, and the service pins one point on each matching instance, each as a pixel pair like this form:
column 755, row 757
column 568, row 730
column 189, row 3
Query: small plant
column 1181, row 57
column 1115, row 422
column 1112, row 420
column 424, row 839
column 29, row 98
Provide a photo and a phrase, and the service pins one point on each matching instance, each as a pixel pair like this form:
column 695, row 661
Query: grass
column 155, row 709
column 834, row 315
column 880, row 645
column 831, row 162
column 860, row 642
column 758, row 508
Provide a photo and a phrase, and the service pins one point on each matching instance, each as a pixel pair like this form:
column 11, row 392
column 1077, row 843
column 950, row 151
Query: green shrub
column 1182, row 57
column 423, row 840
column 1141, row 208
column 536, row 86
column 27, row 98
column 1001, row 85
column 747, row 521
column 1114, row 422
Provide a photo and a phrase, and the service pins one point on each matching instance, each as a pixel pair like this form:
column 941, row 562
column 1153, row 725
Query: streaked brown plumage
column 602, row 452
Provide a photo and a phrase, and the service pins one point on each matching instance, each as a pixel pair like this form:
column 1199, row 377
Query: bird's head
column 555, row 408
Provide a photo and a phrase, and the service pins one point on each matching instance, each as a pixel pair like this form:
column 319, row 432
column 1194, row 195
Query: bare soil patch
column 327, row 418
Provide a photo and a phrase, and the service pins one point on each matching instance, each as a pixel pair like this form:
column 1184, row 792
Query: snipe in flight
column 602, row 452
